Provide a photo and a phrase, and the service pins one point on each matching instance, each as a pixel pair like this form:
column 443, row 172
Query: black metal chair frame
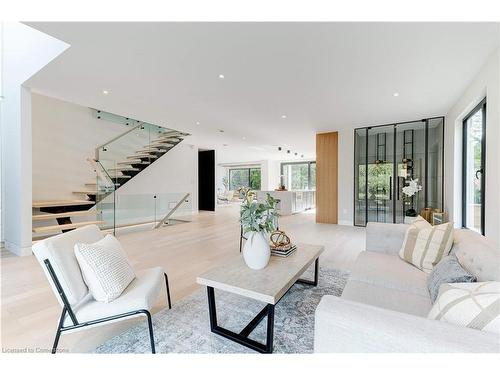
column 76, row 324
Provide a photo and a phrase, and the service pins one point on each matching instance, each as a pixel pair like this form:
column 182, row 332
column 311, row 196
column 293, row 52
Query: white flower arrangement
column 412, row 188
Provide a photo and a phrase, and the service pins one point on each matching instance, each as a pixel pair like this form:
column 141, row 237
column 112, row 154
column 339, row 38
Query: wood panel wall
column 327, row 177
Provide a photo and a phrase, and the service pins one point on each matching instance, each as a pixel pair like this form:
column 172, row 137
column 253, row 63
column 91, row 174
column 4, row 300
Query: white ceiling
column 323, row 76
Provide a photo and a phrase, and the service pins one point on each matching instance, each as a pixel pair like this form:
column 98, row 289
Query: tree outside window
column 299, row 176
column 244, row 177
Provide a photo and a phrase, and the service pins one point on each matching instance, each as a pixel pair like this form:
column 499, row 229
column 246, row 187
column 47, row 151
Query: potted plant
column 409, row 191
column 258, row 221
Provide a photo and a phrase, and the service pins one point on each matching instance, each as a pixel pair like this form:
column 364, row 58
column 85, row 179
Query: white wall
column 174, row 172
column 25, row 51
column 485, row 84
column 346, row 177
column 64, row 136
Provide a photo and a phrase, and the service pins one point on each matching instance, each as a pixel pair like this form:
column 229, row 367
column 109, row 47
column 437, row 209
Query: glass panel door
column 360, row 140
column 410, row 165
column 473, row 173
column 379, row 172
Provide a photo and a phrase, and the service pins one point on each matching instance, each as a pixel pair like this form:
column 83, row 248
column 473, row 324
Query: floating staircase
column 51, row 217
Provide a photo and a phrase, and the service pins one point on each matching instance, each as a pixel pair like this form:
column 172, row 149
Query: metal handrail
column 114, row 139
column 170, row 213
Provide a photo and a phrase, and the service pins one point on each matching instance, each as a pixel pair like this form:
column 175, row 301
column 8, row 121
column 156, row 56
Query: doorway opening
column 206, row 180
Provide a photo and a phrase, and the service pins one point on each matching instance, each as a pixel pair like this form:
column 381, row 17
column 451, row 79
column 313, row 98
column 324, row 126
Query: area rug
column 186, row 329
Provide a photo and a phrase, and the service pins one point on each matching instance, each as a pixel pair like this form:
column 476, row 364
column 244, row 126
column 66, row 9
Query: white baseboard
column 18, row 250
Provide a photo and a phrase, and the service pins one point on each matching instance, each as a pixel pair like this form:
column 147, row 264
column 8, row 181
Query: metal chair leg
column 151, row 336
column 168, row 291
column 58, row 333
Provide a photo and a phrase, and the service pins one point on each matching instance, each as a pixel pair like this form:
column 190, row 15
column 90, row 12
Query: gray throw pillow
column 448, row 270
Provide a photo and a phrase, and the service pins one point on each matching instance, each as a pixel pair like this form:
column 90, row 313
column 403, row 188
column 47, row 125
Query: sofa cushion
column 59, row 250
column 387, row 298
column 140, row 294
column 389, row 271
column 472, row 305
column 477, row 254
column 449, row 270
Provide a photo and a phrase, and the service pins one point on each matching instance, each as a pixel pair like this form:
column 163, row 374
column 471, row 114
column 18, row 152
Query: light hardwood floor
column 30, row 310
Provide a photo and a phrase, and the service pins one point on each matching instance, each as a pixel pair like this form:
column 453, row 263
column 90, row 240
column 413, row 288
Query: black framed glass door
column 386, row 159
column 473, row 169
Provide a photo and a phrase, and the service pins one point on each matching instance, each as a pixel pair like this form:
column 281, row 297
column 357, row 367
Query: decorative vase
column 256, row 251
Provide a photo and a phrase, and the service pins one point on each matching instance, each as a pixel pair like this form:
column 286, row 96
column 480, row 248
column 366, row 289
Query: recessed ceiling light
column 105, row 92
column 301, row 156
column 221, row 131
column 279, row 148
column 283, row 116
column 287, row 151
column 225, row 144
column 243, row 138
column 197, row 123
column 221, row 76
column 396, row 94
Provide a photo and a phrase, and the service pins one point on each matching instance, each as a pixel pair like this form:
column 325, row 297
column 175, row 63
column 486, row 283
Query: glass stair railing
column 119, row 160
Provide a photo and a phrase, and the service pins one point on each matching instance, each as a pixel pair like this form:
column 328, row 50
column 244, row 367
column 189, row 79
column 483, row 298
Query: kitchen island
column 291, row 202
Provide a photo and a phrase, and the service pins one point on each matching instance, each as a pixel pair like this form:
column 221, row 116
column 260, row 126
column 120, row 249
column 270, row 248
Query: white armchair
column 79, row 309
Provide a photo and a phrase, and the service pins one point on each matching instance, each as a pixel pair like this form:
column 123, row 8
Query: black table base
column 268, row 311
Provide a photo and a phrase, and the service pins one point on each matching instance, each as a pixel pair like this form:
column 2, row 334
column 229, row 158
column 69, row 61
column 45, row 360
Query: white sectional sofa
column 385, row 303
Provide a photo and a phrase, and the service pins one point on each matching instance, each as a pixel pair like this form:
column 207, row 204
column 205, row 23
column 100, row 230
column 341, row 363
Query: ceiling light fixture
column 283, row 116
column 197, row 123
column 302, row 155
column 243, row 138
column 295, row 154
column 221, row 131
column 287, row 151
column 396, row 94
column 221, row 76
column 279, row 148
column 105, row 92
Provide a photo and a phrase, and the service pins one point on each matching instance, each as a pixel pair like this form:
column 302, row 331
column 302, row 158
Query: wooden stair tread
column 145, row 156
column 89, row 184
column 60, row 203
column 124, row 169
column 47, row 216
column 120, row 176
column 51, row 228
column 132, row 161
column 89, row 192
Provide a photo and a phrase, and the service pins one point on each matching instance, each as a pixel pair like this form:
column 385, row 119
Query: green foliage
column 259, row 217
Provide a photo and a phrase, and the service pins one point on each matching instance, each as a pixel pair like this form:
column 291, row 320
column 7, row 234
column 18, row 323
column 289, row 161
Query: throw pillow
column 410, row 239
column 105, row 268
column 448, row 270
column 473, row 305
column 430, row 245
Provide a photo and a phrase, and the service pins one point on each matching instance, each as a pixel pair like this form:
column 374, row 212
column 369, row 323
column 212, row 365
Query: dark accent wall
column 206, row 180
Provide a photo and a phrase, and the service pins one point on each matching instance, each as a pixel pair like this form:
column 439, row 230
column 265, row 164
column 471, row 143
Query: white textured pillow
column 473, row 305
column 105, row 268
column 425, row 245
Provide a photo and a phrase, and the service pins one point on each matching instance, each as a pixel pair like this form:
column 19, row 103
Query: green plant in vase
column 258, row 220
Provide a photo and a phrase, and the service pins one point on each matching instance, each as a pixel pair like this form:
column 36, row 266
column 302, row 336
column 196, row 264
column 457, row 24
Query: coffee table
column 268, row 285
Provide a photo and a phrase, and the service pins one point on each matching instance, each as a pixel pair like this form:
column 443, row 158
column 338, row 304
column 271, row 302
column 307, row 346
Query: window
column 473, row 171
column 244, row 177
column 299, row 176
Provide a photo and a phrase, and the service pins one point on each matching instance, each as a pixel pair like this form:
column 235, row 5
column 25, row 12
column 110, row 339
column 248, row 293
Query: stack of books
column 283, row 251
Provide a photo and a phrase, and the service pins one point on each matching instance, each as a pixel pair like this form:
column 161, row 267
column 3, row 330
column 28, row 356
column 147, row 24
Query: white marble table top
column 267, row 285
